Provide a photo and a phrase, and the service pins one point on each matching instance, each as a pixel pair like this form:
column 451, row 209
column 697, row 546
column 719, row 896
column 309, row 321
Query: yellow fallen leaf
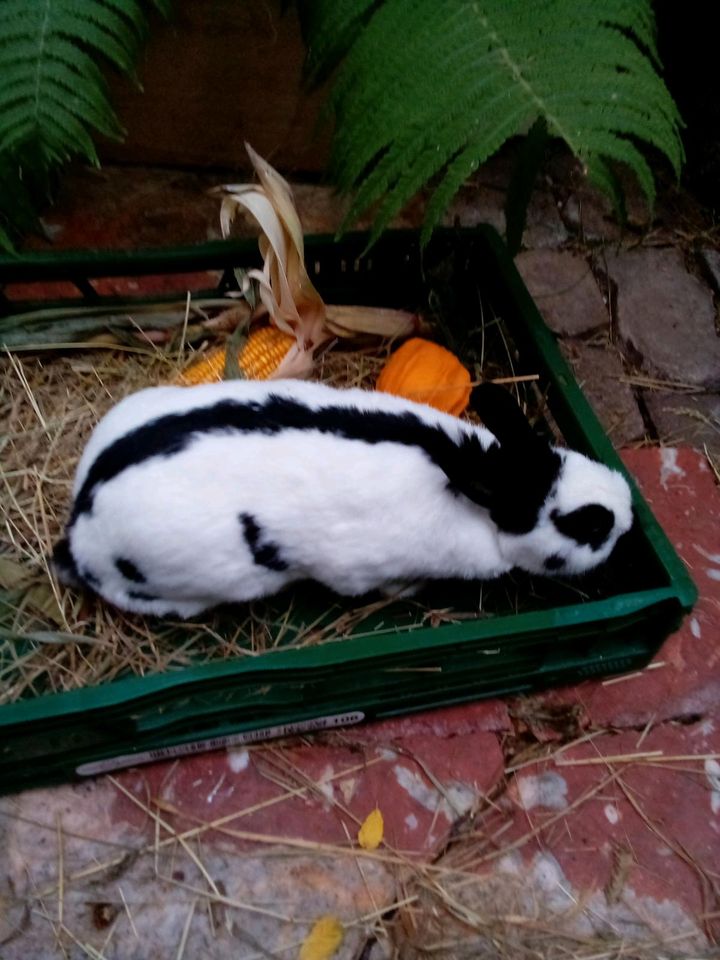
column 371, row 832
column 323, row 940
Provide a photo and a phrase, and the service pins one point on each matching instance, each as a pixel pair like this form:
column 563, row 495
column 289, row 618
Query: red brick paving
column 386, row 771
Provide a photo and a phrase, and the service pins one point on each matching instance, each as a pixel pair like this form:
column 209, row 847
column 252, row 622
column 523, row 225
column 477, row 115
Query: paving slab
column 666, row 315
column 544, row 227
column 587, row 212
column 475, row 204
column 600, row 372
column 81, row 882
column 588, row 215
column 564, row 289
column 686, row 419
column 628, row 841
column 268, row 832
column 423, row 782
column 710, row 260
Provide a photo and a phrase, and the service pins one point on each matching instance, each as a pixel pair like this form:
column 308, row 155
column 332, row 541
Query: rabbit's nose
column 589, row 525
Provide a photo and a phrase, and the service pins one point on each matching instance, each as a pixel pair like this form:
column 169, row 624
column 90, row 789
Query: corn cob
column 261, row 354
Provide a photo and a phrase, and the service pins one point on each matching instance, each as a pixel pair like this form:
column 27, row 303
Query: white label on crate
column 217, row 743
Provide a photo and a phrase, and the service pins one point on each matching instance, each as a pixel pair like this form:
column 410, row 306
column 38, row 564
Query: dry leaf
column 323, row 940
column 371, row 832
column 623, row 861
column 41, row 599
column 12, row 574
column 345, row 321
column 285, row 289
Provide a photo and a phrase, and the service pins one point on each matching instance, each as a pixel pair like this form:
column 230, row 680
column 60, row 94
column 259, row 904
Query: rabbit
column 189, row 497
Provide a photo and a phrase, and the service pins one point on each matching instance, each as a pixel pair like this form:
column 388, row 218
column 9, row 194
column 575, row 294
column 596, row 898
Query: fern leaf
column 434, row 87
column 332, row 27
column 46, row 53
column 53, row 96
column 602, row 175
column 90, row 102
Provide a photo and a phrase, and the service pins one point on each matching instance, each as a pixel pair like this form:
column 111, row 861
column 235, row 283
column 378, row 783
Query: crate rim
column 41, row 266
column 131, row 690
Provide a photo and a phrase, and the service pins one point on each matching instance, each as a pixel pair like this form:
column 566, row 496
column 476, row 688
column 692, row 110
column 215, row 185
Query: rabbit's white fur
column 237, row 515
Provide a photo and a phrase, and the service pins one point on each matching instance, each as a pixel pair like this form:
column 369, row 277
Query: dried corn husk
column 59, row 326
column 292, row 302
column 348, row 321
column 286, row 291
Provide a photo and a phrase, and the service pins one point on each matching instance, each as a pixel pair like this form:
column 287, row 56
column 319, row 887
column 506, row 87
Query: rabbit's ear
column 523, row 468
column 502, row 416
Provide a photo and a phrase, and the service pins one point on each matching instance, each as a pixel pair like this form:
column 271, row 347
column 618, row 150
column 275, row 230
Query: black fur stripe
column 129, row 570
column 90, row 578
column 589, row 525
column 141, row 595
column 64, row 562
column 67, row 569
column 264, row 554
column 171, row 434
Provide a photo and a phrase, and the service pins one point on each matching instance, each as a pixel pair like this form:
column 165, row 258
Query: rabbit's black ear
column 502, row 415
column 524, row 466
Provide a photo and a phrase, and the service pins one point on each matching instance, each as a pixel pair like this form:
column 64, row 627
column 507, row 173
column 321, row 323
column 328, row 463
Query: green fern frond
column 435, row 87
column 53, row 92
column 328, row 29
column 53, row 95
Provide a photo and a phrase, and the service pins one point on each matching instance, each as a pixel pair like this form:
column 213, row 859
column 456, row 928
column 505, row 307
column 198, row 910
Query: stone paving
column 563, row 824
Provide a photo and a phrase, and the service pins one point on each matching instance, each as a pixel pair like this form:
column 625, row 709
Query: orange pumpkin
column 427, row 373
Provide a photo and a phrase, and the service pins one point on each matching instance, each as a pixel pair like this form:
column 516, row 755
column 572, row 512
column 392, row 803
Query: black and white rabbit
column 188, row 497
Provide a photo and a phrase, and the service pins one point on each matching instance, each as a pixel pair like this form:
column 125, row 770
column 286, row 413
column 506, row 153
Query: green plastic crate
column 61, row 736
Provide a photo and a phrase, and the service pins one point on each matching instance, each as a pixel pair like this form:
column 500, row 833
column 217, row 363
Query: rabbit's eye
column 587, row 525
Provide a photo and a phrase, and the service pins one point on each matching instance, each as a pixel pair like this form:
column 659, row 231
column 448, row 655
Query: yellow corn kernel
column 261, row 354
column 208, row 369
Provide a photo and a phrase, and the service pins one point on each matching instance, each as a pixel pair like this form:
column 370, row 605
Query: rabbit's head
column 556, row 510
